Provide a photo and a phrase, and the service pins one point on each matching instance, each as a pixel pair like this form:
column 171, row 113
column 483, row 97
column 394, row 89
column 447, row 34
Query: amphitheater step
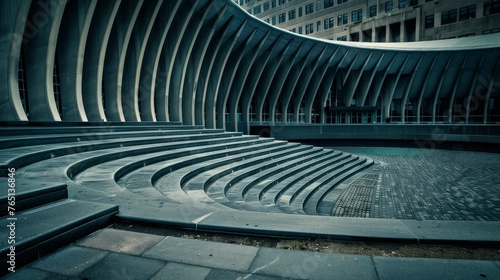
column 42, row 230
column 29, row 194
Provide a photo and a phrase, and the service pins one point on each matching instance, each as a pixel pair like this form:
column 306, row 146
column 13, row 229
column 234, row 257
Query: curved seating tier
column 182, row 164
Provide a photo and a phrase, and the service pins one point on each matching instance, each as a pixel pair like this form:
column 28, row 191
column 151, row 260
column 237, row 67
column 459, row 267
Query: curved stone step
column 22, row 156
column 8, row 142
column 310, row 203
column 232, row 185
column 171, row 184
column 266, row 193
column 198, row 186
column 146, row 155
column 286, row 198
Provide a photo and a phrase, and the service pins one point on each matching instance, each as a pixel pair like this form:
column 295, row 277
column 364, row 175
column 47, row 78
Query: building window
column 339, row 20
column 300, row 29
column 388, row 6
column 309, row 28
column 429, row 21
column 300, row 11
column 294, row 30
column 318, row 6
column 491, row 7
column 281, row 2
column 318, row 26
column 354, row 16
column 257, row 10
column 344, row 18
column 309, row 8
column 273, row 20
column 249, row 11
column 266, row 6
column 328, row 3
column 267, row 20
column 341, row 2
column 413, row 3
column 292, row 14
column 282, row 18
column 373, row 11
column 273, row 4
column 402, row 4
column 342, row 38
column 449, row 17
column 328, row 23
column 357, row 15
column 468, row 12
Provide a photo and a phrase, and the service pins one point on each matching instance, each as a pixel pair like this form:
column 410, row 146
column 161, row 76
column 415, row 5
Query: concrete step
column 171, row 184
column 295, row 185
column 310, row 203
column 7, row 142
column 265, row 192
column 198, row 186
column 232, row 185
column 54, row 128
column 296, row 203
column 42, row 230
column 22, row 156
column 139, row 156
column 286, row 186
column 29, row 194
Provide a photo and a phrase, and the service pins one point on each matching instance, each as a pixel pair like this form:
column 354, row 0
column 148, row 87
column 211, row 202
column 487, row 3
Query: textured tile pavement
column 433, row 184
column 158, row 257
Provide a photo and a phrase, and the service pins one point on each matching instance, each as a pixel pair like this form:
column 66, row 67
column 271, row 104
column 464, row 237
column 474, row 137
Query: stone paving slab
column 217, row 274
column 430, row 269
column 132, row 243
column 203, row 253
column 180, row 271
column 70, row 261
column 28, row 273
column 122, row 266
column 312, row 265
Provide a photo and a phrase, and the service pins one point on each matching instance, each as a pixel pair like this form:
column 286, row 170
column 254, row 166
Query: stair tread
column 38, row 224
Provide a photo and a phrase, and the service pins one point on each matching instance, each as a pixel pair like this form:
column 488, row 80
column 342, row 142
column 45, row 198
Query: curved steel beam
column 13, row 17
column 116, row 53
column 204, row 30
column 304, row 80
column 40, row 54
column 241, row 77
column 134, row 60
column 151, row 61
column 228, row 77
column 439, row 86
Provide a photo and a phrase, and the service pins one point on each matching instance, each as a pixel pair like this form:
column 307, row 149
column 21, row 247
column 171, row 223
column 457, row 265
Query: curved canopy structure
column 208, row 62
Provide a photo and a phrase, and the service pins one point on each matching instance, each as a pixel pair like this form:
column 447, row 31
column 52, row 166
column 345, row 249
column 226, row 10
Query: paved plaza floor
column 432, row 184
